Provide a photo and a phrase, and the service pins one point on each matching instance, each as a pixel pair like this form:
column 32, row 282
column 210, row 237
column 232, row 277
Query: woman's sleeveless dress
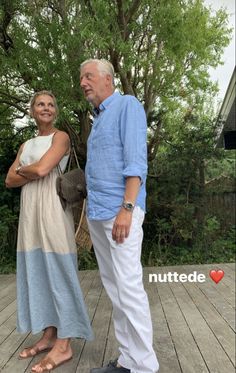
column 48, row 289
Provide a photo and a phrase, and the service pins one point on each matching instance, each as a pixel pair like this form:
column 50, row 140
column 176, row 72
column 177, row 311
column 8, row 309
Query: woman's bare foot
column 59, row 354
column 44, row 344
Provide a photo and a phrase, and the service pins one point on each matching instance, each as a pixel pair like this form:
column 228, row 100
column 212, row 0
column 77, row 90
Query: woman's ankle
column 62, row 345
column 50, row 333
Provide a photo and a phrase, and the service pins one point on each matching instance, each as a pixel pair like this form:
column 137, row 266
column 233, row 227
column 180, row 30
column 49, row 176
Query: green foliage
column 9, row 198
column 211, row 246
column 179, row 226
column 224, row 166
column 87, row 260
column 161, row 52
column 8, row 236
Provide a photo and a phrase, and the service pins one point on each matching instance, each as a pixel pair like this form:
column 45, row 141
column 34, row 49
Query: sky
column 223, row 73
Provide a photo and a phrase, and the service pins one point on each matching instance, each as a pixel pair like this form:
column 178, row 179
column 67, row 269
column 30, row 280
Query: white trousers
column 121, row 274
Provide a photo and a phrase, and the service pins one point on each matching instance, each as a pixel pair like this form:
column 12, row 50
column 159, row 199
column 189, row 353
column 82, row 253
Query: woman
column 49, row 297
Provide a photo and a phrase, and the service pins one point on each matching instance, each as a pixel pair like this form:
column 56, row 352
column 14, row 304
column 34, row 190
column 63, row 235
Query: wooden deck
column 194, row 324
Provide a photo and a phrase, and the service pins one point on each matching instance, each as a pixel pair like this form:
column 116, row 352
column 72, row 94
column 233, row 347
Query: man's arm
column 134, row 140
column 121, row 226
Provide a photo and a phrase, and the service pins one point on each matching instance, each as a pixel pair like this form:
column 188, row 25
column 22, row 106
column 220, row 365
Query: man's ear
column 108, row 80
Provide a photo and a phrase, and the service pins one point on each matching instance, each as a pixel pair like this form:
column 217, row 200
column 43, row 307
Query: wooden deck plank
column 214, row 355
column 180, row 332
column 221, row 296
column 226, row 311
column 218, row 325
column 228, row 267
column 226, row 287
column 193, row 324
column 7, row 327
column 7, row 312
column 10, row 346
column 162, row 341
column 7, row 295
column 14, row 364
column 5, row 280
column 93, row 352
column 111, row 346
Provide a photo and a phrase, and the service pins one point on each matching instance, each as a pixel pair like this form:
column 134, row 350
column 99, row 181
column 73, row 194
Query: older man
column 116, row 174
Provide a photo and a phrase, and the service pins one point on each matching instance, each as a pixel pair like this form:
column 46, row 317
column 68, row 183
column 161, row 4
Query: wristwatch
column 18, row 169
column 129, row 206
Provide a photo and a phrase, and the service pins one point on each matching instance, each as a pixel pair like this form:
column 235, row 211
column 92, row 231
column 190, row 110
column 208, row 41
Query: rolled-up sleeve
column 133, row 127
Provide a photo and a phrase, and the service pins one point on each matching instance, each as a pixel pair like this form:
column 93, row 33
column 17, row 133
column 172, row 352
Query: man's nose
column 82, row 82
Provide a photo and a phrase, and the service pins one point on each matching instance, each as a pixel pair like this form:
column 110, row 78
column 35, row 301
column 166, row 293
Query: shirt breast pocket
column 106, row 141
column 108, row 147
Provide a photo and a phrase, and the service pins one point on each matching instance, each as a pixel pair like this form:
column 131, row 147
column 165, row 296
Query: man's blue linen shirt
column 116, row 148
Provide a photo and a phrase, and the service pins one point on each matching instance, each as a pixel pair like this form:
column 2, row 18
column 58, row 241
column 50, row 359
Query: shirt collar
column 104, row 104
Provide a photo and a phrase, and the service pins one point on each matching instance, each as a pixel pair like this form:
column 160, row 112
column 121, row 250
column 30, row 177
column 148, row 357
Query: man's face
column 95, row 86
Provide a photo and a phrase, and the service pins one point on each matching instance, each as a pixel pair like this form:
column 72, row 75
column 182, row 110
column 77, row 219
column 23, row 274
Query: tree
column 161, row 51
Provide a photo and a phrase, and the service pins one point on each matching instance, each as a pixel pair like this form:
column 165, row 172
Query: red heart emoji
column 217, row 275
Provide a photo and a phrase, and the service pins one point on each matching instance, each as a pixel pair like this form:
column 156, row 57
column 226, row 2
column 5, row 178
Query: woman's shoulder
column 61, row 134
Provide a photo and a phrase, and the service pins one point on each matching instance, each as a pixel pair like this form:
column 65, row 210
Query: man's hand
column 121, row 226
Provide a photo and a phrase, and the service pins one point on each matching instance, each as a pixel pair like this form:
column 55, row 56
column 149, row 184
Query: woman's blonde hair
column 40, row 93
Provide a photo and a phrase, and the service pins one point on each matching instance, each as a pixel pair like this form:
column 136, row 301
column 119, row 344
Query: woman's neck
column 45, row 130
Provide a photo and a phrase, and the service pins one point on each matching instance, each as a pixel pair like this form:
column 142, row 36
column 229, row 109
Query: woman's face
column 44, row 110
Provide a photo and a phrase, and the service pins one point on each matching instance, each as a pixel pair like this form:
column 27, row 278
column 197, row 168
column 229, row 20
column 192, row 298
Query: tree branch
column 8, row 13
column 16, row 106
column 126, row 84
column 12, row 97
column 121, row 19
column 133, row 8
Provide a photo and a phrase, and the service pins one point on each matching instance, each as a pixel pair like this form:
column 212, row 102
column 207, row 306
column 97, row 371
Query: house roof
column 226, row 116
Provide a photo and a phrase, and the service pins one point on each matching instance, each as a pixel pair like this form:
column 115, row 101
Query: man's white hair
column 104, row 67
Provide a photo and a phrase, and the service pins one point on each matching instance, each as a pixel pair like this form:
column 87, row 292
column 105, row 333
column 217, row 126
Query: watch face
column 128, row 206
